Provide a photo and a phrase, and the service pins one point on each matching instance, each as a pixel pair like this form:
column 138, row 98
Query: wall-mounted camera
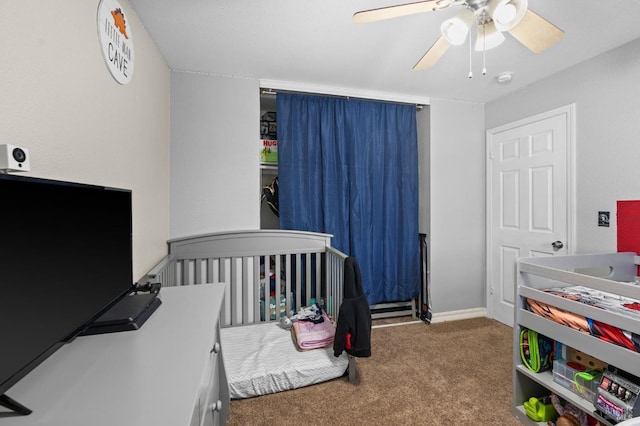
column 14, row 159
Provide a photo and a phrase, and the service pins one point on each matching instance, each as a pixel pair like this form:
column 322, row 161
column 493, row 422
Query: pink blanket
column 313, row 336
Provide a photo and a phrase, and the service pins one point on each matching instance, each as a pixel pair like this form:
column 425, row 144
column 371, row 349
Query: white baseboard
column 458, row 315
column 443, row 317
column 395, row 324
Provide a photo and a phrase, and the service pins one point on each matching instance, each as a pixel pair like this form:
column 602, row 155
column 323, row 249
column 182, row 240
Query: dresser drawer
column 213, row 404
column 209, row 386
column 216, row 403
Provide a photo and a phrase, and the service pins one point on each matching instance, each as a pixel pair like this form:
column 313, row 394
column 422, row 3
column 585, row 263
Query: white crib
column 267, row 274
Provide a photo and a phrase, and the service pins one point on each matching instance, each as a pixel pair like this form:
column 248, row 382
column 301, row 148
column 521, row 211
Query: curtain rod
column 271, row 92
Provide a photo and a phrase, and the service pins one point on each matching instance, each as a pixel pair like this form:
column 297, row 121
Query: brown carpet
column 450, row 373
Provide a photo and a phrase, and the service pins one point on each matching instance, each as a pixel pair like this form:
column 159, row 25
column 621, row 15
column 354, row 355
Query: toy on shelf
column 570, row 415
column 540, row 409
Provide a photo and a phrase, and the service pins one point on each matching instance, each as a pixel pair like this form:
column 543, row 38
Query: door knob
column 557, row 245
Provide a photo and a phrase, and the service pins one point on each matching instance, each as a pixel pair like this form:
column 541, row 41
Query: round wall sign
column 116, row 40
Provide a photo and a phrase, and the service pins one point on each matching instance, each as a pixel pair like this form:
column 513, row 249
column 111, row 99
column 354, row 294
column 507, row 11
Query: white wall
column 423, row 123
column 457, row 238
column 215, row 146
column 606, row 92
column 59, row 100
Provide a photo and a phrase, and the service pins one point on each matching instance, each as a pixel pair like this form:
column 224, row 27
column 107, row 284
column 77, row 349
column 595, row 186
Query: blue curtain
column 350, row 168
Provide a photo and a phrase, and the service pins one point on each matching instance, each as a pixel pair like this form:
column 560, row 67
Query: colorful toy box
column 577, row 378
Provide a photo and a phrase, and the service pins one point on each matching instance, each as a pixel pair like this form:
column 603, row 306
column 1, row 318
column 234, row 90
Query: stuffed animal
column 567, row 420
column 570, row 415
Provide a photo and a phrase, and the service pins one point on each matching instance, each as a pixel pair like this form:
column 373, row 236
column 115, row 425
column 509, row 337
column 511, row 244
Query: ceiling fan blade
column 389, row 12
column 535, row 32
column 433, row 55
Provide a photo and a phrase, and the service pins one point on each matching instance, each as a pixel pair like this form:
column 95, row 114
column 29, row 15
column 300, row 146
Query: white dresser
column 170, row 372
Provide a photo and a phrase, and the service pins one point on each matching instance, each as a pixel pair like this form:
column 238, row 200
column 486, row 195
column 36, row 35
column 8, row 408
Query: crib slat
column 210, row 275
column 255, row 291
column 265, row 289
column 287, row 286
column 276, row 288
column 278, row 285
column 223, row 277
column 298, row 282
column 318, row 259
column 244, row 315
column 185, row 272
column 264, row 294
column 198, row 271
column 215, row 271
column 236, row 291
column 308, row 279
column 179, row 273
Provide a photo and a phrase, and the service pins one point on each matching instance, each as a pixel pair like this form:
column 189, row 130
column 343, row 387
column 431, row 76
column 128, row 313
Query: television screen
column 65, row 258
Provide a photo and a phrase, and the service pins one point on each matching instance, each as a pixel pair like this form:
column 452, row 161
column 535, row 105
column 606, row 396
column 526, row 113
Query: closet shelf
column 269, row 167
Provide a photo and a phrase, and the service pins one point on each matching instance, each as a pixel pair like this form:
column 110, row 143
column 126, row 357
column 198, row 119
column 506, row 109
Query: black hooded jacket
column 354, row 319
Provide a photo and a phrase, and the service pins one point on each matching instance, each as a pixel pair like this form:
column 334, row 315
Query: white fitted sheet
column 261, row 359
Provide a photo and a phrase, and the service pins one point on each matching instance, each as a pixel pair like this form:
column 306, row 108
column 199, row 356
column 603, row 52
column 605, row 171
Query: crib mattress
column 261, row 359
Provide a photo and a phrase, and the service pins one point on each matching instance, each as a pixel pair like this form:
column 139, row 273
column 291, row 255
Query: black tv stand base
column 14, row 405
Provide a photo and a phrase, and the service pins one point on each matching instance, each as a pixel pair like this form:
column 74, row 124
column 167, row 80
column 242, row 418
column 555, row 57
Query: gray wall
column 215, row 146
column 215, row 176
column 423, row 123
column 214, row 191
column 58, row 100
column 606, row 92
column 457, row 181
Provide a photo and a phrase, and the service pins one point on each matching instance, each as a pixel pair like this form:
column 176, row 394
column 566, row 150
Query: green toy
column 540, row 410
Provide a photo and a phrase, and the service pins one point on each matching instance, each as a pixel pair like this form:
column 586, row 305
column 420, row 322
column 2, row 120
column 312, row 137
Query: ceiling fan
column 492, row 17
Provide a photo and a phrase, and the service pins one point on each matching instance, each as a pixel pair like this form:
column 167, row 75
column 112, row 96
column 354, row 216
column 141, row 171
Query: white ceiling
column 316, row 43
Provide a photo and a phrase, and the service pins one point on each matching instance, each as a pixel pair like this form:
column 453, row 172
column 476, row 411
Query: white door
column 529, row 193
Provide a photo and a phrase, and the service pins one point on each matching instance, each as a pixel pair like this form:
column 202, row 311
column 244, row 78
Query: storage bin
column 584, row 385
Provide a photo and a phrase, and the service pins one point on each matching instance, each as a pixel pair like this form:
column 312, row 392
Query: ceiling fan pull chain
column 484, row 49
column 470, row 71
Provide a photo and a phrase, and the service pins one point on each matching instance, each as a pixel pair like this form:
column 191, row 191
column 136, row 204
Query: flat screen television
column 65, row 258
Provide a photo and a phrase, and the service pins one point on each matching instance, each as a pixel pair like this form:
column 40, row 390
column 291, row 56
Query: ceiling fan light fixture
column 455, row 30
column 488, row 37
column 507, row 13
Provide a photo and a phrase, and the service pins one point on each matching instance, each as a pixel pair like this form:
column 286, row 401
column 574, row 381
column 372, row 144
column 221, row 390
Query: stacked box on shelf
column 268, row 138
column 577, row 380
column 268, row 151
column 268, row 126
